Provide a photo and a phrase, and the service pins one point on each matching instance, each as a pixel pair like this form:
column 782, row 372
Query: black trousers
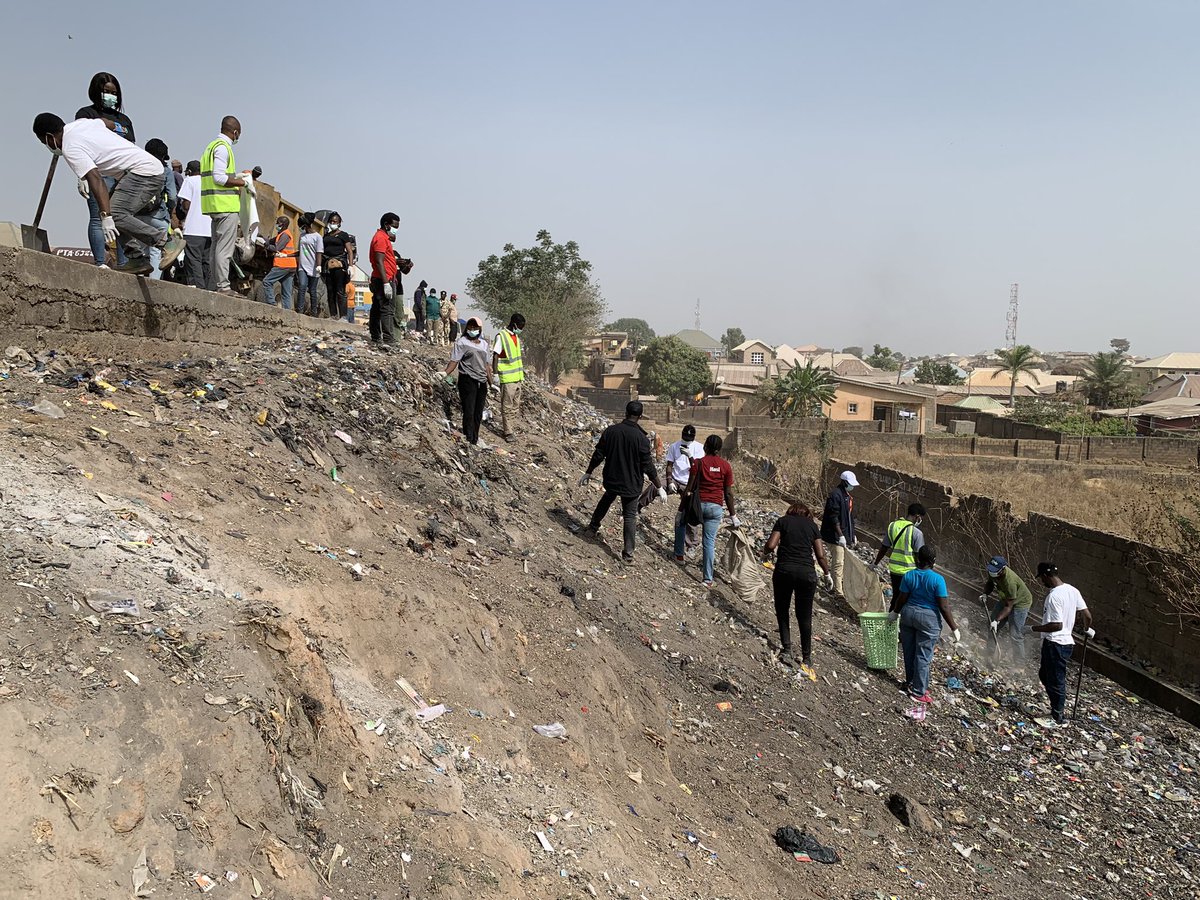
column 419, row 315
column 804, row 586
column 1053, row 675
column 335, row 288
column 896, row 579
column 629, row 512
column 453, row 330
column 473, row 395
column 383, row 314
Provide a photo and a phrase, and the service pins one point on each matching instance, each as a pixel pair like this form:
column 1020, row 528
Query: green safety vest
column 900, row 535
column 217, row 198
column 509, row 366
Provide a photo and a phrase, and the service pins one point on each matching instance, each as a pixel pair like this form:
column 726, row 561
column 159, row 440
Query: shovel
column 33, row 237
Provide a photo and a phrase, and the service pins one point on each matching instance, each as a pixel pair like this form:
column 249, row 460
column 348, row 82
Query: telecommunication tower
column 1010, row 333
column 697, row 320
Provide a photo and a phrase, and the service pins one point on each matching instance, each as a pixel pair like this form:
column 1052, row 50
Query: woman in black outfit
column 107, row 103
column 796, row 540
column 340, row 252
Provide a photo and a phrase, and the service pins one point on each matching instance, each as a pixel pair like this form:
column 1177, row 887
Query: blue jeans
column 1015, row 623
column 1053, row 675
column 308, row 285
column 920, row 627
column 96, row 235
column 282, row 277
column 712, row 514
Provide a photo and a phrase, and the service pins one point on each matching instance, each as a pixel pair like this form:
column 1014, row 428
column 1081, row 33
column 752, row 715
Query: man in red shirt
column 383, row 281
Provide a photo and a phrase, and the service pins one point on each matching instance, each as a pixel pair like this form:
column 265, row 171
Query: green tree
column 930, row 372
column 731, row 338
column 639, row 331
column 801, row 392
column 1014, row 361
column 1068, row 417
column 882, row 358
column 854, row 351
column 551, row 285
column 670, row 368
column 1120, row 345
column 1107, row 382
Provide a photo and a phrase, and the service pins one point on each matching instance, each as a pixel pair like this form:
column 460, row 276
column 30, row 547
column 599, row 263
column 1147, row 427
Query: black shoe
column 138, row 265
column 786, row 658
column 627, row 557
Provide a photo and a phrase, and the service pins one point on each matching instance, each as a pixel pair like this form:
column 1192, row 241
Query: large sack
column 743, row 568
column 861, row 585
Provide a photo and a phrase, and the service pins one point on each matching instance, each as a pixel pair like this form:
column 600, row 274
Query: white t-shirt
column 197, row 224
column 680, row 454
column 1061, row 605
column 88, row 144
column 311, row 244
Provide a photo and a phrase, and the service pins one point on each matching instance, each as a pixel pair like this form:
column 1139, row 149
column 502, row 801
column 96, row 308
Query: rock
column 912, row 814
column 957, row 816
column 129, row 807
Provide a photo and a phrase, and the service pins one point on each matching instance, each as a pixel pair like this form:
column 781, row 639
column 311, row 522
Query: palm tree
column 1107, row 380
column 801, row 392
column 1015, row 360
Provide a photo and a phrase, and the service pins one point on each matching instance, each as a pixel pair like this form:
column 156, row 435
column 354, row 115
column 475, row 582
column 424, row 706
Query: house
column 732, row 378
column 1167, row 388
column 607, row 343
column 1174, row 414
column 900, row 407
column 950, row 394
column 756, row 353
column 843, row 364
column 619, row 374
column 982, row 404
column 705, row 343
column 1172, row 364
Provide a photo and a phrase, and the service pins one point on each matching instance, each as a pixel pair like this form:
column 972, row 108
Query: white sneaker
column 103, row 266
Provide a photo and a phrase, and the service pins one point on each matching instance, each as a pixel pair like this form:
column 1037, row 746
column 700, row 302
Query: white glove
column 957, row 636
column 85, row 190
column 983, row 598
column 1091, row 633
column 662, row 494
column 317, row 271
column 842, row 541
column 892, row 617
column 828, row 580
column 109, row 227
column 250, row 188
column 389, row 291
column 735, row 522
column 994, row 626
column 584, row 479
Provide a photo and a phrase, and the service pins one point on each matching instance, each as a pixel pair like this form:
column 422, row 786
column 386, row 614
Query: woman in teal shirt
column 921, row 605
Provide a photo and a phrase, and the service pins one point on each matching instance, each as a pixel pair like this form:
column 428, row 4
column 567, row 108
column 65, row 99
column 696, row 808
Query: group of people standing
column 482, row 365
column 435, row 316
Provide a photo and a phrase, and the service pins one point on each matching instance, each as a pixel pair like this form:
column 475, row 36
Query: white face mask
column 473, row 333
column 391, row 233
column 109, row 101
column 57, row 151
column 334, row 227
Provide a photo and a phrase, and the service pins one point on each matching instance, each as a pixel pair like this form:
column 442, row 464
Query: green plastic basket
column 880, row 639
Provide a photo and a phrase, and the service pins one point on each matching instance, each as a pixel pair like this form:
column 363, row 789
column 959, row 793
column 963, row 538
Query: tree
column 801, row 392
column 731, row 338
column 1014, row 361
column 930, row 372
column 854, row 351
column 1107, row 382
column 882, row 358
column 551, row 285
column 639, row 331
column 1120, row 345
column 670, row 368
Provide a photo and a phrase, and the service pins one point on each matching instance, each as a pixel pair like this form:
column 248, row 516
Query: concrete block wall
column 1169, row 451
column 1114, row 449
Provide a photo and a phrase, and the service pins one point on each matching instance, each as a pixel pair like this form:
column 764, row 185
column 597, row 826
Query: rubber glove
column 994, row 625
column 735, row 522
column 1091, row 633
column 85, row 190
column 957, row 636
column 842, row 541
column 109, row 227
column 449, row 379
column 662, row 494
column 828, row 582
column 983, row 598
column 584, row 479
column 1028, row 629
column 892, row 616
column 250, row 188
column 389, row 291
column 317, row 271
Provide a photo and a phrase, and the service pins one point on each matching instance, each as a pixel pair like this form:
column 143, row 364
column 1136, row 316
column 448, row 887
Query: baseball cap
column 995, row 564
column 849, row 478
column 1047, row 568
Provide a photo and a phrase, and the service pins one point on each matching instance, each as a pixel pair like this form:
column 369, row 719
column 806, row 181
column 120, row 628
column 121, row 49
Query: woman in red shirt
column 712, row 476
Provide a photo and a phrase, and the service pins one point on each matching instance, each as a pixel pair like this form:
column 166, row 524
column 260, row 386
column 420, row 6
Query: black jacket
column 624, row 449
column 838, row 511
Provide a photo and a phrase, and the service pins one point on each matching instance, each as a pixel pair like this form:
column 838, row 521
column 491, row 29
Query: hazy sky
column 835, row 173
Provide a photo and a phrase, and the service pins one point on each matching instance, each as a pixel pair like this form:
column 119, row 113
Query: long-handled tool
column 1079, row 679
column 993, row 640
column 34, row 237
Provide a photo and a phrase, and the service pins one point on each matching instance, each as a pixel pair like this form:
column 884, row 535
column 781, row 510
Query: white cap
column 849, row 478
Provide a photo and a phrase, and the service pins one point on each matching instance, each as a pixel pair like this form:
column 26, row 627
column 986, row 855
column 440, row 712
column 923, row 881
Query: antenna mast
column 1010, row 333
column 697, row 320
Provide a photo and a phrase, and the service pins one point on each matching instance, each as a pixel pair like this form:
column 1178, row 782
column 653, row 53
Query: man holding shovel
column 1063, row 604
column 1012, row 605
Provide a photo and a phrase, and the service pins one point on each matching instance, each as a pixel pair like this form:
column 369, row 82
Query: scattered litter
column 556, row 730
column 213, row 700
column 203, row 882
column 132, row 677
column 108, row 603
column 343, row 437
column 544, row 841
column 725, row 706
column 429, row 713
column 635, row 777
column 804, row 847
column 141, row 876
column 48, row 409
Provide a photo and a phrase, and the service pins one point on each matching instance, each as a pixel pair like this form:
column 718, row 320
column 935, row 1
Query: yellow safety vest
column 900, row 535
column 509, row 366
column 217, row 198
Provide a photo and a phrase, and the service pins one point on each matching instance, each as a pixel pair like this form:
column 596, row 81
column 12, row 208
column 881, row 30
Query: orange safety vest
column 286, row 256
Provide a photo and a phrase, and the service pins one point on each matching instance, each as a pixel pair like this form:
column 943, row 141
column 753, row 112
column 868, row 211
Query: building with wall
column 1171, row 364
column 900, row 407
column 705, row 343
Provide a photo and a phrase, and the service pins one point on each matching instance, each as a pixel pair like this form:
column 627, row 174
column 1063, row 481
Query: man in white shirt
column 679, row 469
column 94, row 151
column 1063, row 604
column 197, row 230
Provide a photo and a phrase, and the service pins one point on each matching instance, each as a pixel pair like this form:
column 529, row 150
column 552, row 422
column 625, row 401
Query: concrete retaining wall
column 47, row 300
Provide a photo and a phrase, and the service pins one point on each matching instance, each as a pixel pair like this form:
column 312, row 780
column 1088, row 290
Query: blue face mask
column 473, row 333
column 109, row 101
column 516, row 331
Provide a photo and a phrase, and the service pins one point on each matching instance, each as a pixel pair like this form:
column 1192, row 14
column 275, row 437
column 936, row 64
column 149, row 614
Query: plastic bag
column 742, row 566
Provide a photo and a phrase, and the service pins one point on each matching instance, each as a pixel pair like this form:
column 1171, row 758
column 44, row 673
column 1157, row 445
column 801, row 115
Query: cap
column 454, row 296
column 849, row 478
column 1047, row 568
column 689, row 432
column 996, row 564
column 633, row 409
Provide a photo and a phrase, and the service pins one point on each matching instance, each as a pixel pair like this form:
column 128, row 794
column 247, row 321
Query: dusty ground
column 285, row 579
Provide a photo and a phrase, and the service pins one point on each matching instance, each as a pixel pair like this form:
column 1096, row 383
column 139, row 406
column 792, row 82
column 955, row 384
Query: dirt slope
column 284, row 579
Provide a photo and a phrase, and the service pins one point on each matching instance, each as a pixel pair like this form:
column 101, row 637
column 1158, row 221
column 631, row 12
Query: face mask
column 57, row 151
column 280, row 227
column 473, row 333
column 234, row 140
column 109, row 101
column 391, row 232
column 516, row 331
column 334, row 227
column 849, row 488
